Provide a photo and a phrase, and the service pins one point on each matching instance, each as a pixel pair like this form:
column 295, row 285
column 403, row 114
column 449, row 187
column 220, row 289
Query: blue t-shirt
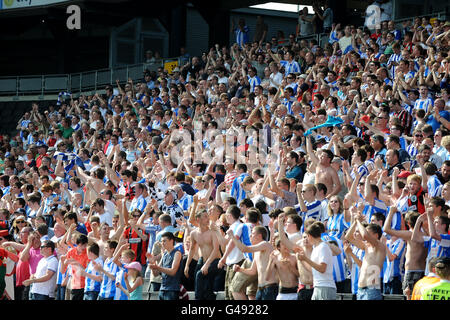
column 436, row 124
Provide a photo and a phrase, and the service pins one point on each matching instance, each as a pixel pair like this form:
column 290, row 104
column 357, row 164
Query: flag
column 61, row 96
column 331, row 122
column 72, row 158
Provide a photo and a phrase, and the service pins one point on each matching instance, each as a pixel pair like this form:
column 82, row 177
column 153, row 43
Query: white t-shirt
column 324, row 211
column 105, row 217
column 322, row 253
column 48, row 287
column 110, row 207
column 275, row 79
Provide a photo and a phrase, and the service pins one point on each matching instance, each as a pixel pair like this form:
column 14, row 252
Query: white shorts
column 287, row 296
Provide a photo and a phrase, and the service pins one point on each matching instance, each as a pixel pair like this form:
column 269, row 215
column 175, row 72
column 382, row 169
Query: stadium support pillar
column 177, row 29
column 64, row 45
column 218, row 20
column 339, row 11
column 219, row 28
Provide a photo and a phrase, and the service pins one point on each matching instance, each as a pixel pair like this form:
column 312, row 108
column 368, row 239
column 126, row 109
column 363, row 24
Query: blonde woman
column 338, row 217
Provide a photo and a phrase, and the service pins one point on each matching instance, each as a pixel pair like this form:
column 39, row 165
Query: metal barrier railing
column 440, row 15
column 75, row 82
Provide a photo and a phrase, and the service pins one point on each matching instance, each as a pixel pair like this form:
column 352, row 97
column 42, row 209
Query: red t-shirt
column 22, row 272
column 77, row 280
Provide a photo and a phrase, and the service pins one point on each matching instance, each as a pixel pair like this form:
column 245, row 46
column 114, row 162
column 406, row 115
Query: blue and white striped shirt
column 339, row 267
column 242, row 231
column 412, row 150
column 138, row 203
column 434, row 186
column 396, row 223
column 294, row 86
column 90, row 284
column 186, row 201
column 444, row 246
column 437, row 248
column 424, row 104
column 290, row 67
column 314, row 210
column 394, row 268
column 378, row 206
column 337, row 225
column 288, row 103
column 119, row 294
column 108, row 287
column 355, row 269
column 152, row 230
column 255, row 81
column 237, row 191
column 362, row 170
column 241, row 36
column 394, row 58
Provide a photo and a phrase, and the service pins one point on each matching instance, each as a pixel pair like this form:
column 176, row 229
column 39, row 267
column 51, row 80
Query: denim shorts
column 38, row 296
column 90, row 295
column 369, row 294
column 169, row 295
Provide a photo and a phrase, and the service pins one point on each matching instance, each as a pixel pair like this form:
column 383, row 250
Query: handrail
column 75, row 82
column 434, row 14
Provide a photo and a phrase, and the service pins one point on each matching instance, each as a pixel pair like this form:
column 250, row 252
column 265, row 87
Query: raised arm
column 312, row 156
column 432, row 230
column 253, row 248
column 404, row 234
column 283, row 238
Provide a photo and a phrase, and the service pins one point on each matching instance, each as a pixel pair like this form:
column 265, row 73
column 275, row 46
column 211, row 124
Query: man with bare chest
column 267, row 281
column 305, row 277
column 206, row 270
column 324, row 172
column 416, row 252
column 369, row 287
column 285, row 265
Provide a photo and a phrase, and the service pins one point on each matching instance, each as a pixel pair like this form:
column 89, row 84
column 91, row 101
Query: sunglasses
column 418, row 136
column 20, row 221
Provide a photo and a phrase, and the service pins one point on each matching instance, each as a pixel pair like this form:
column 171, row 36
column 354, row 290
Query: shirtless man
column 267, row 282
column 324, row 172
column 285, row 264
column 372, row 263
column 94, row 184
column 206, row 269
column 305, row 277
column 416, row 253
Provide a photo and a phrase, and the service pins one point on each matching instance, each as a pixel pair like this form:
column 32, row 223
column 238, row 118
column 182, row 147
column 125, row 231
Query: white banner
column 16, row 4
column 373, row 17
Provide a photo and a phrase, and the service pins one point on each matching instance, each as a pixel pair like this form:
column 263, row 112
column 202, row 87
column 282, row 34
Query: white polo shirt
column 48, row 287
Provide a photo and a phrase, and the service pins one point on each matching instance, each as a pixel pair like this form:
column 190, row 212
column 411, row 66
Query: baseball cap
column 134, row 265
column 156, row 140
column 404, row 174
